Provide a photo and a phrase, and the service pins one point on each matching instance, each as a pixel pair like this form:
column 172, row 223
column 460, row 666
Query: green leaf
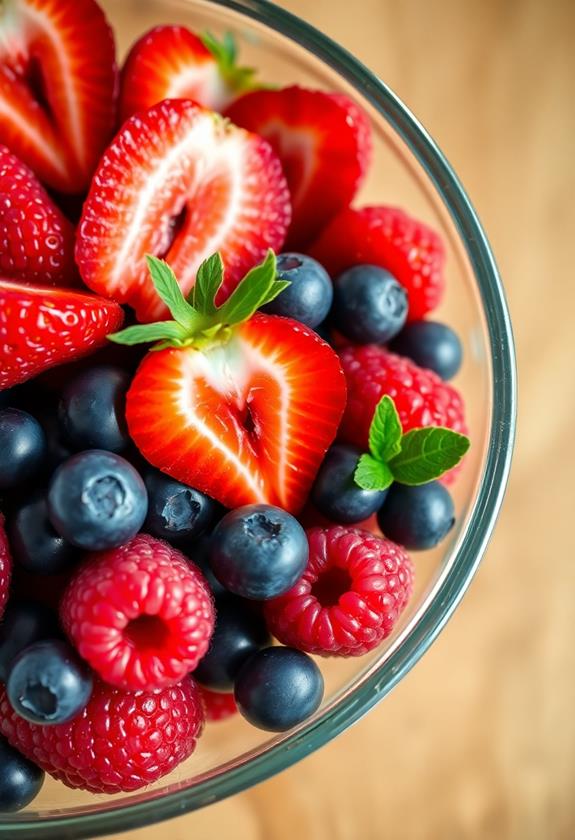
column 371, row 474
column 225, row 52
column 167, row 287
column 143, row 333
column 427, row 453
column 257, row 288
column 385, row 430
column 208, row 280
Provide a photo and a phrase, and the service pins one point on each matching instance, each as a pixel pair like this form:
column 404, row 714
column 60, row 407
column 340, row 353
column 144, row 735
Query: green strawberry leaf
column 371, row 474
column 169, row 331
column 166, row 286
column 257, row 288
column 225, row 53
column 427, row 453
column 385, row 431
column 209, row 278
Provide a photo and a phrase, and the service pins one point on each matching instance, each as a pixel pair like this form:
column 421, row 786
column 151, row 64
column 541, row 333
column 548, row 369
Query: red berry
column 217, row 706
column 349, row 598
column 5, row 566
column 387, row 237
column 420, row 396
column 121, row 741
column 140, row 614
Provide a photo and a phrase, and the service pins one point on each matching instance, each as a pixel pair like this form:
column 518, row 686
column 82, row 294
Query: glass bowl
column 408, row 171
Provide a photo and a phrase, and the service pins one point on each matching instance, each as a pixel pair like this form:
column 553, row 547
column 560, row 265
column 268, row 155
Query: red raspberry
column 349, row 597
column 140, row 614
column 388, row 237
column 420, row 396
column 5, row 566
column 121, row 741
column 217, row 706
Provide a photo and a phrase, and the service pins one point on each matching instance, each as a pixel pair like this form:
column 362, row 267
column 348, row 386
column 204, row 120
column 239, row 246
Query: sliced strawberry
column 170, row 62
column 388, row 237
column 42, row 327
column 36, row 240
column 324, row 143
column 58, row 85
column 179, row 182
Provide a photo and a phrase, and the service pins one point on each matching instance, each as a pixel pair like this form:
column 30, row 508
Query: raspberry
column 388, row 237
column 5, row 566
column 140, row 614
column 217, row 706
column 348, row 599
column 121, row 741
column 420, row 396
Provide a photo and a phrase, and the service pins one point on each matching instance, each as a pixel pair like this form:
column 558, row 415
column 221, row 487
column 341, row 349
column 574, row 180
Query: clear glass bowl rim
column 481, row 522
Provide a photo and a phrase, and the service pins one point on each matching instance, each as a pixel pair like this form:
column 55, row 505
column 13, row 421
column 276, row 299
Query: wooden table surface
column 479, row 740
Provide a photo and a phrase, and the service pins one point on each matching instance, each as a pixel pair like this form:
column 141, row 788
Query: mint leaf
column 166, row 286
column 208, row 280
column 143, row 333
column 371, row 474
column 427, row 453
column 385, row 430
column 257, row 288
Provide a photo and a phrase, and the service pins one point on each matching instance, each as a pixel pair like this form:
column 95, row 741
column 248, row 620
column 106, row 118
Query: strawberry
column 324, row 143
column 36, row 240
column 388, row 237
column 170, row 62
column 179, row 181
column 43, row 327
column 58, row 81
column 241, row 406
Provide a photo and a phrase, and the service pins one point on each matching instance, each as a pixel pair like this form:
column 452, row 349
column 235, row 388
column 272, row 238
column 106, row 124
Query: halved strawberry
column 240, row 406
column 179, row 182
column 58, row 85
column 386, row 236
column 42, row 327
column 36, row 240
column 170, row 62
column 324, row 143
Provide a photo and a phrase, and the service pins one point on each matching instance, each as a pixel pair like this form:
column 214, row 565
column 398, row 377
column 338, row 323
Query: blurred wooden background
column 478, row 742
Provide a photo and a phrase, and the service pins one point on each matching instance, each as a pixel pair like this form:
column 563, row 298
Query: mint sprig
column 416, row 457
column 197, row 321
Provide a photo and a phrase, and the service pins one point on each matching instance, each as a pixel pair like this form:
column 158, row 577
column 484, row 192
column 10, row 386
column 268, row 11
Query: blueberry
column 35, row 544
column 369, row 305
column 176, row 511
column 48, row 683
column 258, row 551
column 24, row 622
column 335, row 493
column 308, row 298
column 430, row 345
column 199, row 554
column 324, row 331
column 417, row 517
column 278, row 687
column 58, row 450
column 239, row 632
column 92, row 409
column 23, row 447
column 20, row 779
column 97, row 500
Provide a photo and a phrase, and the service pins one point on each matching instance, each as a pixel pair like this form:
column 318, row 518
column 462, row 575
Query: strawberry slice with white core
column 170, row 62
column 58, row 87
column 179, row 182
column 241, row 406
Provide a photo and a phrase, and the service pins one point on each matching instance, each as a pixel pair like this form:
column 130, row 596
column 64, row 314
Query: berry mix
column 224, row 411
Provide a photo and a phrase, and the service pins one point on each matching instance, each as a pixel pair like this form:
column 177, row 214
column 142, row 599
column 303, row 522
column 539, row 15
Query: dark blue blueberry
column 324, row 331
column 58, row 450
column 278, row 687
column 36, row 546
column 97, row 500
column 199, row 553
column 258, row 551
column 430, row 345
column 308, row 298
column 23, row 447
column 417, row 517
column 93, row 408
column 48, row 683
column 369, row 305
column 239, row 632
column 24, row 622
column 20, row 779
column 335, row 493
column 176, row 511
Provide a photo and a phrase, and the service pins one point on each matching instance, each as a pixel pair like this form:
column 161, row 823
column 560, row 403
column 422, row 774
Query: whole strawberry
column 121, row 741
column 5, row 566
